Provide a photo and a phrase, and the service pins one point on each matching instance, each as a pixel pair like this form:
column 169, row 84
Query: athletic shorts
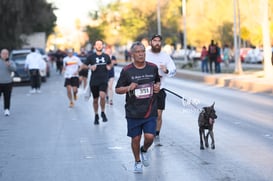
column 135, row 127
column 161, row 99
column 73, row 81
column 83, row 72
column 95, row 89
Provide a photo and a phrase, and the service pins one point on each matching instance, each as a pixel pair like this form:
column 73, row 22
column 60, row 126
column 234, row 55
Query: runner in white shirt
column 166, row 68
column 71, row 68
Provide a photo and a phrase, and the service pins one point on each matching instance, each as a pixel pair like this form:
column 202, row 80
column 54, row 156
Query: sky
column 69, row 11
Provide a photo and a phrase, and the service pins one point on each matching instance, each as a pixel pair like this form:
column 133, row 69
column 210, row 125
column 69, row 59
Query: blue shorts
column 135, row 127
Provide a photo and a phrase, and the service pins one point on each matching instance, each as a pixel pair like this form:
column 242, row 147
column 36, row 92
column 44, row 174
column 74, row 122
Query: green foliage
column 226, row 33
column 95, row 33
column 125, row 21
column 24, row 17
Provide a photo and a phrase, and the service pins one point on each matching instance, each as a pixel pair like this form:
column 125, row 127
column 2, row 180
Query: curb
column 251, row 82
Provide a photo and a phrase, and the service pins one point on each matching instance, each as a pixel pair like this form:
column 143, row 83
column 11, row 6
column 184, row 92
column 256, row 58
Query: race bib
column 144, row 91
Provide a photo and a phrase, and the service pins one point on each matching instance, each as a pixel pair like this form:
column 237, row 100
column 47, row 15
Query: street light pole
column 238, row 67
column 158, row 18
column 268, row 69
column 185, row 31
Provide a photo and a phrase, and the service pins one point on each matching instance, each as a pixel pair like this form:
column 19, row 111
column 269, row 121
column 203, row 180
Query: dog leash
column 184, row 99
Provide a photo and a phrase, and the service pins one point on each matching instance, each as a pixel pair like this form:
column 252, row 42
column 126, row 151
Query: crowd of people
column 141, row 80
column 213, row 55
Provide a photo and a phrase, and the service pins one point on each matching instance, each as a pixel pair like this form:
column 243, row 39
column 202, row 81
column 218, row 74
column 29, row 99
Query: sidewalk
column 251, row 79
column 251, row 82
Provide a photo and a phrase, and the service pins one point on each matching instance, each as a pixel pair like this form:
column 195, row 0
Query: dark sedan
column 21, row 75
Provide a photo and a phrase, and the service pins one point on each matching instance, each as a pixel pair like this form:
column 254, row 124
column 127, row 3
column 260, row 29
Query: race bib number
column 144, row 91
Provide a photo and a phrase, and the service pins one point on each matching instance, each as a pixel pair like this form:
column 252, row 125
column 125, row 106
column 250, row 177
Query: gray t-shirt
column 5, row 72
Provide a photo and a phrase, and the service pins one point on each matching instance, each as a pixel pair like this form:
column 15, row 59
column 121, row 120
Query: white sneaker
column 157, row 141
column 38, row 91
column 138, row 167
column 145, row 158
column 32, row 91
column 6, row 112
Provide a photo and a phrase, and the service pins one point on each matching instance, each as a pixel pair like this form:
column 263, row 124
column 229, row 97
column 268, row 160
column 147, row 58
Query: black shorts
column 95, row 89
column 83, row 72
column 73, row 81
column 161, row 99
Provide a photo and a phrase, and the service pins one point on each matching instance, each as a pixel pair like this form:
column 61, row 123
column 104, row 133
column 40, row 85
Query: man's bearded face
column 156, row 45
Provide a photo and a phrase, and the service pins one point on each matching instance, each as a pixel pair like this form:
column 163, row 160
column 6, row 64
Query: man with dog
column 140, row 82
column 166, row 68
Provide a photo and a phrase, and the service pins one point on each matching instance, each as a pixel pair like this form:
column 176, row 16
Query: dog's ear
column 213, row 105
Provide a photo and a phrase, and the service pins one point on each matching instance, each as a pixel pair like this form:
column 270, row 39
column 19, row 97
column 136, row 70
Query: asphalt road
column 45, row 140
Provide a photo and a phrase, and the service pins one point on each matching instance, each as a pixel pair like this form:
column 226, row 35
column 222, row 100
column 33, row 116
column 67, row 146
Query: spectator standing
column 204, row 60
column 140, row 82
column 127, row 55
column 34, row 63
column 71, row 68
column 226, row 55
column 99, row 63
column 218, row 60
column 6, row 67
column 111, row 76
column 212, row 54
column 166, row 68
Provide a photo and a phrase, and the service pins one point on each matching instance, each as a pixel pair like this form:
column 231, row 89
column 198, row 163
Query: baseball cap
column 70, row 50
column 156, row 35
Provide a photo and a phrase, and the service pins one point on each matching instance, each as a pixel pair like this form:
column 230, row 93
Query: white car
column 191, row 54
column 254, row 55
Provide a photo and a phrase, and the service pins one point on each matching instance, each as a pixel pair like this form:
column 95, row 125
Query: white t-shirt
column 34, row 60
column 71, row 66
column 161, row 58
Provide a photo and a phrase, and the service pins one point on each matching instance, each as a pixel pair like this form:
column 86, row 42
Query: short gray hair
column 137, row 43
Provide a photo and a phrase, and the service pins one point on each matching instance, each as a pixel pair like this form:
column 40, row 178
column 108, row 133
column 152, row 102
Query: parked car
column 243, row 53
column 191, row 54
column 19, row 58
column 254, row 55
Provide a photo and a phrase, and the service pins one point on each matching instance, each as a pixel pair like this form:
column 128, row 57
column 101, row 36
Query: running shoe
column 32, row 91
column 96, row 121
column 138, row 167
column 38, row 91
column 104, row 118
column 71, row 104
column 144, row 157
column 6, row 112
column 157, row 141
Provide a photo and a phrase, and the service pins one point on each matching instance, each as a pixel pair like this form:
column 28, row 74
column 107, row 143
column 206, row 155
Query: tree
column 125, row 21
column 94, row 33
column 24, row 17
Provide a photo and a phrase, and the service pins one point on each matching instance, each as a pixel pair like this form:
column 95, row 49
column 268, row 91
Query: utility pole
column 268, row 68
column 238, row 65
column 158, row 18
column 185, row 29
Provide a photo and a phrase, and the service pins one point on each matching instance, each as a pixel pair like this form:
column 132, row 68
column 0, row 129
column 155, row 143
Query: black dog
column 205, row 121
